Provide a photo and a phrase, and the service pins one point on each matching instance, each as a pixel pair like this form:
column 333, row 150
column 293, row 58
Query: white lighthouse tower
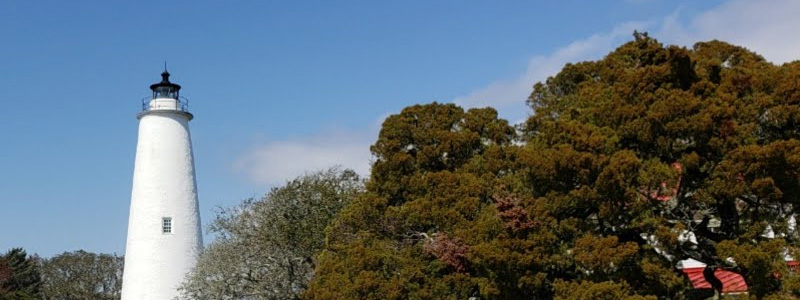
column 164, row 237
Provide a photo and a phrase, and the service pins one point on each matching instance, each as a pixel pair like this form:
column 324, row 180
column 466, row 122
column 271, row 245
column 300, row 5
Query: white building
column 164, row 237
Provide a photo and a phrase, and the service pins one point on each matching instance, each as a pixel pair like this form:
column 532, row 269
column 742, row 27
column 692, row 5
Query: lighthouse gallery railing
column 181, row 104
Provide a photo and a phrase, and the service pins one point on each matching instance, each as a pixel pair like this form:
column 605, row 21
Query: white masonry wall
column 163, row 186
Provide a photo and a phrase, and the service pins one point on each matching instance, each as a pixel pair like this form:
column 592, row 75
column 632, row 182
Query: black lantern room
column 165, row 89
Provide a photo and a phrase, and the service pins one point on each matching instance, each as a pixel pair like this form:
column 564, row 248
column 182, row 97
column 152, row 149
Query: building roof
column 732, row 282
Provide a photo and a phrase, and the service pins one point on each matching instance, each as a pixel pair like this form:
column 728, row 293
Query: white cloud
column 275, row 162
column 766, row 27
column 508, row 96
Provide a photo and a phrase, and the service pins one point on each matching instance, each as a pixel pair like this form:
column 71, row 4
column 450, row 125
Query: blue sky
column 282, row 87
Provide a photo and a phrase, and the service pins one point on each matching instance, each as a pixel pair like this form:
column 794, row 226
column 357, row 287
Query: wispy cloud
column 275, row 162
column 508, row 95
column 767, row 27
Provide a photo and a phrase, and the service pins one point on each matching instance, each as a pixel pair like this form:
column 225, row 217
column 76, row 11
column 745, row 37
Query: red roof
column 731, row 282
column 793, row 265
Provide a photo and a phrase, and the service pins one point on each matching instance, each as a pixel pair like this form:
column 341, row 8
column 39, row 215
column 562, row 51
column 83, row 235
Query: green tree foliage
column 566, row 290
column 19, row 276
column 663, row 143
column 81, row 275
column 628, row 165
column 421, row 228
column 266, row 248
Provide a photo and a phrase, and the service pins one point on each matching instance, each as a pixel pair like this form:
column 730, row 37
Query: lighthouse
column 164, row 237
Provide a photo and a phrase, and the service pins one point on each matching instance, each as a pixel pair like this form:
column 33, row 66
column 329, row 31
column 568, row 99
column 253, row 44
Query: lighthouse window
column 166, row 225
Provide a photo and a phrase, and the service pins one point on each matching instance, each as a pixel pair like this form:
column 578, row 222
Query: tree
column 81, row 275
column 682, row 154
column 266, row 248
column 427, row 207
column 627, row 166
column 19, row 276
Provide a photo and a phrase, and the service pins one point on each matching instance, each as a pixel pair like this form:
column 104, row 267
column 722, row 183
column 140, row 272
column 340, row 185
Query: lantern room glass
column 165, row 92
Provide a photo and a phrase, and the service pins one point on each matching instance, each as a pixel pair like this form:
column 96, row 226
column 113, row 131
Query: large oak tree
column 627, row 166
